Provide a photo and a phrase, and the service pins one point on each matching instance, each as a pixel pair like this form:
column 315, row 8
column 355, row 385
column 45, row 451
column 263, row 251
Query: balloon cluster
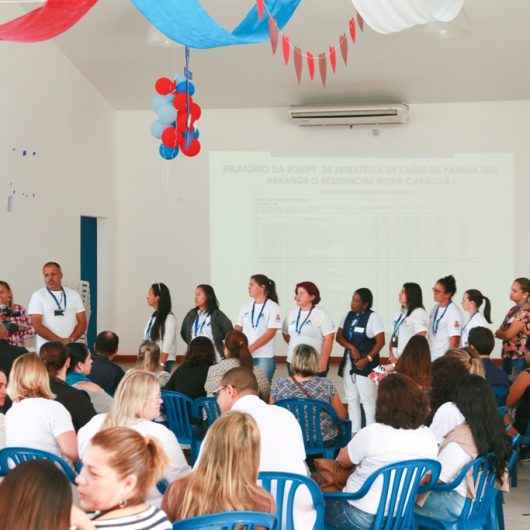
column 177, row 113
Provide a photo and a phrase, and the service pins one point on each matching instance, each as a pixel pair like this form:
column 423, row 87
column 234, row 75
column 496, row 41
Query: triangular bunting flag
column 298, row 64
column 360, row 22
column 323, row 67
column 343, row 43
column 311, row 65
column 273, row 34
column 333, row 58
column 353, row 30
column 261, row 8
column 286, row 49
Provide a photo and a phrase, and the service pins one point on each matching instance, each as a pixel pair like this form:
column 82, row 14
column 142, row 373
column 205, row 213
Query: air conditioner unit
column 349, row 116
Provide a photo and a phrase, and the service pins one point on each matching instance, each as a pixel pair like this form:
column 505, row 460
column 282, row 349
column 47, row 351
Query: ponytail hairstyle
column 158, row 329
column 129, row 453
column 78, row 353
column 54, row 355
column 236, row 344
column 477, row 298
column 449, row 284
column 149, row 356
column 470, row 358
column 414, row 296
column 268, row 285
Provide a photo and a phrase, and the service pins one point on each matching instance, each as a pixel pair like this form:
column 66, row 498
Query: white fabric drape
column 389, row 16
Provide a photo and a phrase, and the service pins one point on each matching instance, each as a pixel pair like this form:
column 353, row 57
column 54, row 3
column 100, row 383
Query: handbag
column 330, row 475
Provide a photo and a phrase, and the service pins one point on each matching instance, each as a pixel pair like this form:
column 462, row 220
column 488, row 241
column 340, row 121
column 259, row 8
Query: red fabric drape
column 46, row 22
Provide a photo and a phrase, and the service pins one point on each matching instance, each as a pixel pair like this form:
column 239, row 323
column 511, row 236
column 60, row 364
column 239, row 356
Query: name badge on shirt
column 358, row 329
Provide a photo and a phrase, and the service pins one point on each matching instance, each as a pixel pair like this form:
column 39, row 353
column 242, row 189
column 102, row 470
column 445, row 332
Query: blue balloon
column 181, row 87
column 196, row 134
column 157, row 128
column 159, row 100
column 167, row 114
column 168, row 153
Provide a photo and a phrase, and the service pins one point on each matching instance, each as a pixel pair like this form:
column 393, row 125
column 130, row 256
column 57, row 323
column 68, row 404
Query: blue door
column 89, row 270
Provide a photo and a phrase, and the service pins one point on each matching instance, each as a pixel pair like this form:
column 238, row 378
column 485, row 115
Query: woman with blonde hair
column 149, row 359
column 35, row 420
column 470, row 358
column 120, row 468
column 226, row 475
column 136, row 404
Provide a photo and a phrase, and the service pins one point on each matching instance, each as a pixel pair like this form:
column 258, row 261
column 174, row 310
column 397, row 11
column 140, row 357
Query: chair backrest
column 228, row 521
column 400, row 484
column 284, row 486
column 206, row 409
column 179, row 409
column 10, row 457
column 309, row 412
column 501, row 393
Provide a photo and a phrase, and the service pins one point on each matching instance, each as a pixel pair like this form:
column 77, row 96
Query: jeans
column 359, row 389
column 267, row 364
column 442, row 505
column 341, row 514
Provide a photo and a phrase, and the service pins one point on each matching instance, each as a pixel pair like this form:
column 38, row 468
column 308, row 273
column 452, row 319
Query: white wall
column 47, row 106
column 162, row 231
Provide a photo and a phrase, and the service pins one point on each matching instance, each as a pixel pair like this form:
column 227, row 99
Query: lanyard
column 59, row 307
column 397, row 325
column 469, row 321
column 196, row 328
column 150, row 327
column 352, row 325
column 254, row 326
column 436, row 323
column 298, row 328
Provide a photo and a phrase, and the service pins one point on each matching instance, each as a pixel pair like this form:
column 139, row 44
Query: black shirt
column 105, row 373
column 76, row 401
column 189, row 379
column 8, row 355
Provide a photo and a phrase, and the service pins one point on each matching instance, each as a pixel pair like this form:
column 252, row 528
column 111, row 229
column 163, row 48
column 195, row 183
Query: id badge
column 358, row 329
column 58, row 313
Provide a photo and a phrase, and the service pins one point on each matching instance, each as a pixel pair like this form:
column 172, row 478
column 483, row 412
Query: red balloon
column 179, row 101
column 182, row 117
column 195, row 111
column 164, row 86
column 171, row 137
column 191, row 150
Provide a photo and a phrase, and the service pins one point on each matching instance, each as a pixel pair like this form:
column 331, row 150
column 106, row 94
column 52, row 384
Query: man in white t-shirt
column 282, row 444
column 57, row 313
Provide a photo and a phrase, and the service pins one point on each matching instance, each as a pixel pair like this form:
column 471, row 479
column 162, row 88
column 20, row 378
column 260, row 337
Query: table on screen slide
column 351, row 222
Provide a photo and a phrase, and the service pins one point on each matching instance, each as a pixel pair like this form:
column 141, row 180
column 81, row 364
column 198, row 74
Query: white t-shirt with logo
column 408, row 326
column 307, row 327
column 475, row 321
column 168, row 344
column 444, row 323
column 379, row 445
column 255, row 320
column 42, row 303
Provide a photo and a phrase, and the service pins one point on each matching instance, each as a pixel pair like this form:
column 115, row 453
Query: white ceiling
column 491, row 61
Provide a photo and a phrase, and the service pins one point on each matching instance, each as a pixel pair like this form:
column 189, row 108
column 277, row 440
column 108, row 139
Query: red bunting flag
column 273, row 34
column 298, row 64
column 311, row 65
column 261, row 8
column 343, row 42
column 323, row 67
column 333, row 58
column 360, row 22
column 286, row 49
column 353, row 30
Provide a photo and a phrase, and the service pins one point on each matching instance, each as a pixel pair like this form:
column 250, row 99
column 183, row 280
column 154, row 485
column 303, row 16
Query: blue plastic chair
column 228, row 521
column 480, row 512
column 206, row 409
column 10, row 457
column 401, row 482
column 283, row 486
column 309, row 412
column 501, row 393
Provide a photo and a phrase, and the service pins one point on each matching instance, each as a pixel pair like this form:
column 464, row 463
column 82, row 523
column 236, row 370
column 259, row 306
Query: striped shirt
column 151, row 519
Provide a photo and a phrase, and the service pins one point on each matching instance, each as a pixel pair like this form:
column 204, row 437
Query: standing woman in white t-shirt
column 161, row 327
column 411, row 320
column 308, row 324
column 445, row 323
column 259, row 320
column 471, row 303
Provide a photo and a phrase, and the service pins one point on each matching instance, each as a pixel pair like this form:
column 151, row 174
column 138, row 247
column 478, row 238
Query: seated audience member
column 136, row 404
column 120, row 468
column 447, row 374
column 481, row 432
column 14, row 317
column 398, row 434
column 415, row 361
column 236, row 354
column 77, row 402
column 470, row 358
column 225, row 478
column 35, row 420
column 36, row 495
column 282, row 444
column 190, row 376
column 104, row 372
column 483, row 342
column 305, row 383
column 149, row 359
column 3, row 396
column 8, row 352
column 519, row 397
column 77, row 376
